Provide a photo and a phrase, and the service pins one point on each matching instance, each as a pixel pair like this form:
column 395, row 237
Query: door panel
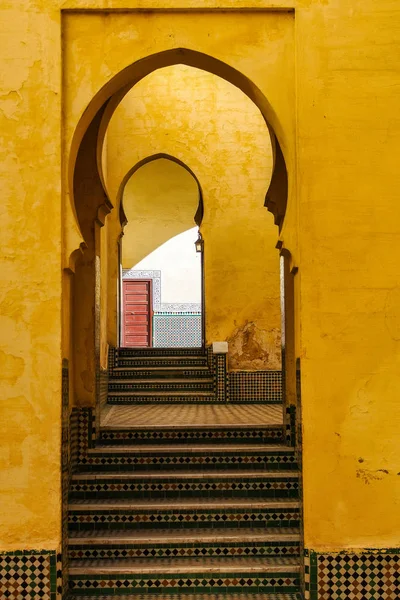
column 137, row 302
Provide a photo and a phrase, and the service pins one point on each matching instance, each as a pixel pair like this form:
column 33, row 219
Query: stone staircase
column 160, row 375
column 194, row 500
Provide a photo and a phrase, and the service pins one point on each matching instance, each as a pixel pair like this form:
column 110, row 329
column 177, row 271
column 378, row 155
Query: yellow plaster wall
column 30, row 277
column 220, row 134
column 160, row 201
column 339, row 109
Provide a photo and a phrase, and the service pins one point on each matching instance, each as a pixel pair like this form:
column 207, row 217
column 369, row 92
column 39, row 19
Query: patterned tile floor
column 193, row 415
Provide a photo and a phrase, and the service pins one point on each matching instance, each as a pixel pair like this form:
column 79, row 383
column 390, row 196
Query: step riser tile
column 103, row 523
column 143, row 352
column 208, row 596
column 201, row 386
column 168, row 551
column 275, row 488
column 158, row 373
column 154, row 399
column 250, row 436
column 137, row 520
column 279, row 582
column 200, row 463
column 160, row 362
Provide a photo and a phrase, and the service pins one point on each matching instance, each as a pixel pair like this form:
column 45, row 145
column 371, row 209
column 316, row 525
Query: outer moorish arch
column 91, row 203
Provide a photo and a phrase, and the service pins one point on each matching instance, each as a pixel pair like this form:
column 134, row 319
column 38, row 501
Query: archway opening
column 90, row 193
column 162, row 267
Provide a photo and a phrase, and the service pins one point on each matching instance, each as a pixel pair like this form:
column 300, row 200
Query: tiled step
column 151, row 372
column 160, row 361
column 191, row 596
column 170, row 543
column 116, row 398
column 206, row 457
column 161, row 385
column 190, row 514
column 261, row 575
column 165, row 352
column 267, row 484
column 199, row 435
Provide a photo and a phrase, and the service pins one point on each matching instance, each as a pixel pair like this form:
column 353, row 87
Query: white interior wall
column 180, row 267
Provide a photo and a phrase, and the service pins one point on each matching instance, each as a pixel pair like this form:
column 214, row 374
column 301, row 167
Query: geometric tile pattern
column 81, row 519
column 173, row 549
column 166, row 519
column 199, row 373
column 129, row 353
column 220, row 373
column 65, row 475
column 284, row 487
column 272, row 459
column 118, row 436
column 236, row 416
column 30, row 574
column 221, row 582
column 177, row 330
column 189, row 596
column 361, row 576
column 257, row 386
column 291, row 426
column 182, row 398
column 120, row 385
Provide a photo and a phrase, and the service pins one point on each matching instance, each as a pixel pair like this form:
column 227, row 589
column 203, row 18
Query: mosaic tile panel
column 220, row 415
column 160, row 361
column 279, row 516
column 220, row 374
column 118, row 399
column 371, row 575
column 207, row 596
column 103, row 388
column 222, row 582
column 245, row 435
column 177, row 330
column 164, row 386
column 123, row 487
column 136, row 551
column 28, row 575
column 199, row 374
column 82, row 435
column 268, row 460
column 291, row 426
column 257, row 386
column 165, row 352
column 267, row 435
column 62, row 583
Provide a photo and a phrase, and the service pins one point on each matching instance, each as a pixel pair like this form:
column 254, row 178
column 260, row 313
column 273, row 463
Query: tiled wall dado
column 373, row 575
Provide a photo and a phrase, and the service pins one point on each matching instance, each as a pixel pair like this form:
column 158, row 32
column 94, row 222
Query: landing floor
column 193, row 415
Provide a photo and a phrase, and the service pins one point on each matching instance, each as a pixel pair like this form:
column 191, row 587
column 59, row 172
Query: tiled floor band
column 194, row 415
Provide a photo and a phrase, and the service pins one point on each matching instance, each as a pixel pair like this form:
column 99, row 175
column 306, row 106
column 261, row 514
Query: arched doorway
column 91, row 201
column 101, row 205
column 162, row 277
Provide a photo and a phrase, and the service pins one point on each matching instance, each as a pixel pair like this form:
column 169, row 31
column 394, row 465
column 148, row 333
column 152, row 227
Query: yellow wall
column 220, row 134
column 30, row 278
column 332, row 81
column 160, row 201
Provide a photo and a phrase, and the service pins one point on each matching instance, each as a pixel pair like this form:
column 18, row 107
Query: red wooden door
column 137, row 313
